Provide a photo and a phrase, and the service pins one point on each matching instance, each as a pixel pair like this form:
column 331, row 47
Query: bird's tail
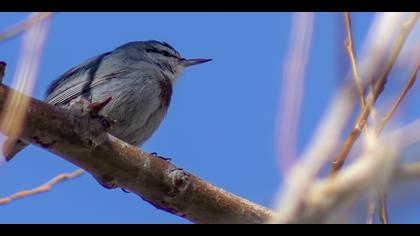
column 11, row 147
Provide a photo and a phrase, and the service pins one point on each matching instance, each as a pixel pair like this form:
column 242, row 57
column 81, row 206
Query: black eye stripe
column 165, row 53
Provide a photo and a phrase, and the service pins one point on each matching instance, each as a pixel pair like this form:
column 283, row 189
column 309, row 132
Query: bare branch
column 350, row 51
column 31, row 20
column 23, row 81
column 326, row 138
column 371, row 209
column 292, row 88
column 377, row 90
column 43, row 188
column 116, row 163
column 383, row 214
column 326, row 200
column 407, row 87
column 407, row 171
column 383, row 207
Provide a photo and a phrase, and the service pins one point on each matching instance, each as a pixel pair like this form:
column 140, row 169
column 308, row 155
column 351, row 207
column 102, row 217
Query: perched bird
column 137, row 76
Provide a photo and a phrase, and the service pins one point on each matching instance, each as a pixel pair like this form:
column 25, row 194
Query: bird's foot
column 160, row 157
column 125, row 191
column 85, row 120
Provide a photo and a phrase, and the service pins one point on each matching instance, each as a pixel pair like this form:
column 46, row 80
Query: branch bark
column 116, row 163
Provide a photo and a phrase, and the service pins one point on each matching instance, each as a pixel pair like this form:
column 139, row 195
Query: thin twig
column 326, row 200
column 407, row 171
column 321, row 147
column 383, row 214
column 350, row 51
column 12, row 116
column 43, row 188
column 409, row 84
column 28, row 22
column 383, row 207
column 360, row 88
column 292, row 88
column 377, row 90
column 371, row 209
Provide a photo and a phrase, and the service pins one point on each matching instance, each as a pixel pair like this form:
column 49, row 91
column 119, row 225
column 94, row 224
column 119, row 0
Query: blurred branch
column 371, row 209
column 350, row 51
column 292, row 88
column 383, row 207
column 407, row 171
column 28, row 22
column 24, row 80
column 43, row 188
column 115, row 163
column 383, row 214
column 320, row 149
column 360, row 87
column 374, row 94
column 408, row 85
column 326, row 200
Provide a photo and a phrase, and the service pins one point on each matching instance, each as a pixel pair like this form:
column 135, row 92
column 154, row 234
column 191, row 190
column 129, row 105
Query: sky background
column 222, row 119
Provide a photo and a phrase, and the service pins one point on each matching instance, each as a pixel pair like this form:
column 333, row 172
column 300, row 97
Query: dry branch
column 350, row 51
column 43, row 188
column 115, row 163
column 373, row 96
column 382, row 193
column 408, row 85
column 292, row 88
column 326, row 200
column 23, row 80
column 28, row 22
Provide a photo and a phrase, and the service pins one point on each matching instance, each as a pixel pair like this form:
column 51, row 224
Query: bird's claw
column 125, row 191
column 160, row 157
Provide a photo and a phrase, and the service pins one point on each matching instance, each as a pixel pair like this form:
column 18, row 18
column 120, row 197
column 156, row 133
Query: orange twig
column 350, row 51
column 374, row 94
column 383, row 214
column 43, row 188
column 403, row 93
column 31, row 20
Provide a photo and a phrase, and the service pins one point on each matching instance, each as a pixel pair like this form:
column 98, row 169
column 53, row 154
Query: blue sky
column 221, row 122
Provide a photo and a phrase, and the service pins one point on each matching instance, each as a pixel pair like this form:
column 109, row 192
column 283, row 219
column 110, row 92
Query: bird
column 137, row 78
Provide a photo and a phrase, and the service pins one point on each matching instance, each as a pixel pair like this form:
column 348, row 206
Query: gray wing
column 78, row 81
column 72, row 84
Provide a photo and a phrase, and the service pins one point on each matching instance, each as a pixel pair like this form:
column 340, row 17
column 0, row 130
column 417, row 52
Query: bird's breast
column 138, row 108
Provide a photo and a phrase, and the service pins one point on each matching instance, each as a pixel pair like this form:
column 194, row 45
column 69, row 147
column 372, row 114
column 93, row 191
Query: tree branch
column 408, row 85
column 43, row 188
column 22, row 26
column 373, row 96
column 116, row 163
column 350, row 51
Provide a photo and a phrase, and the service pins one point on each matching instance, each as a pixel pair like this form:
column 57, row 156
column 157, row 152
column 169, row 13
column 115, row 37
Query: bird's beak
column 191, row 62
